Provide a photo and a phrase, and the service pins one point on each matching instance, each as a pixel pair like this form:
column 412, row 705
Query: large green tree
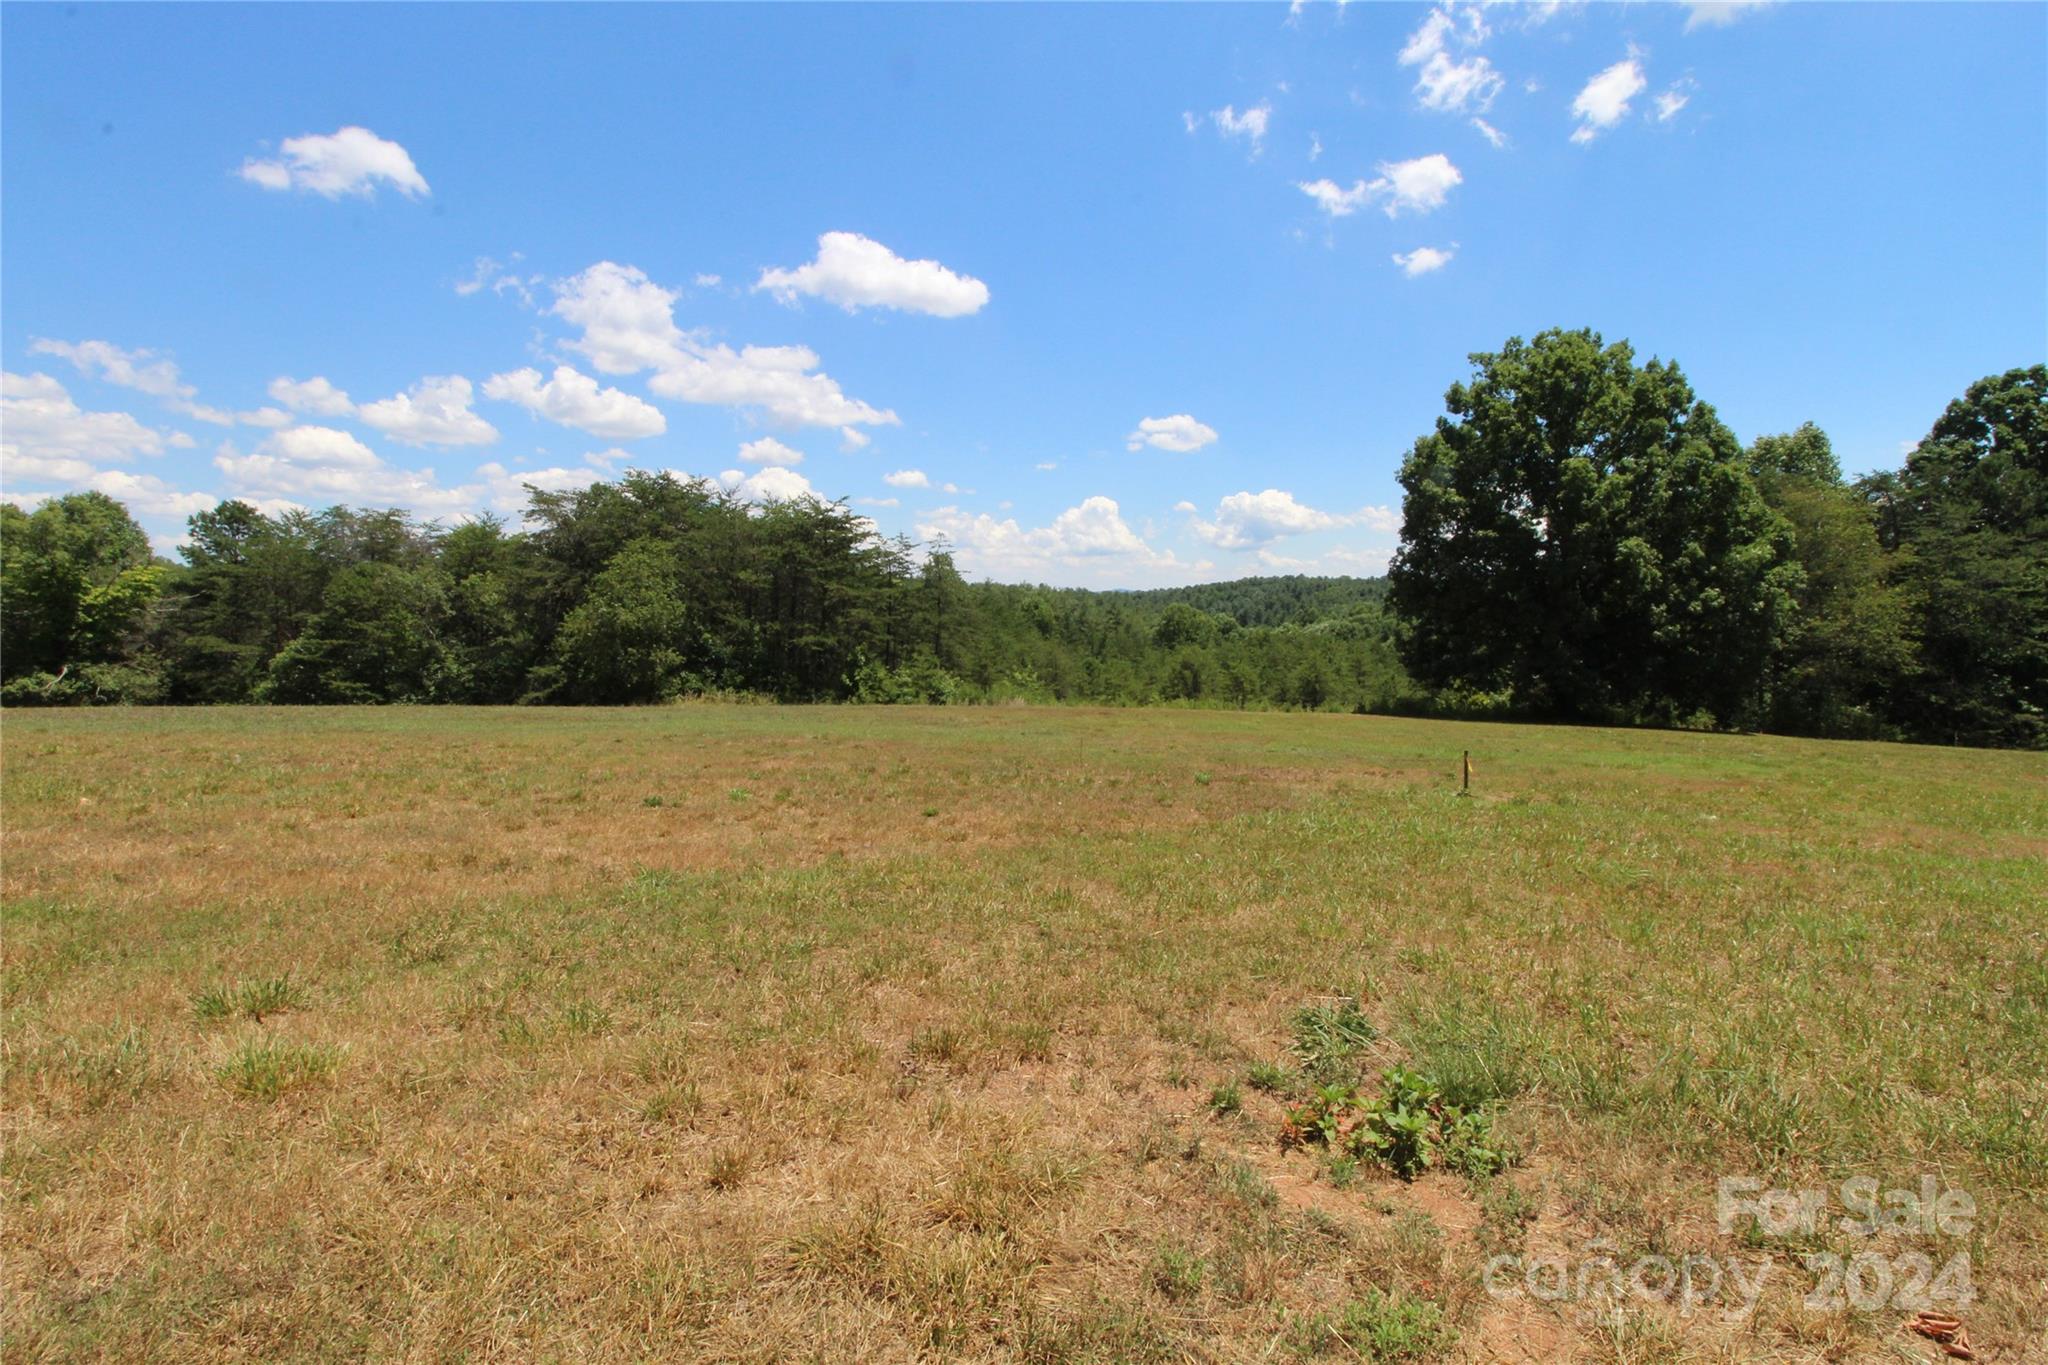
column 631, row 638
column 76, row 583
column 1967, row 520
column 377, row 638
column 1580, row 531
column 1847, row 647
column 250, row 585
column 492, row 639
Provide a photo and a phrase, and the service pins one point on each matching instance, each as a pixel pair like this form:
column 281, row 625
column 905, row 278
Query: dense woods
column 1583, row 539
column 636, row 591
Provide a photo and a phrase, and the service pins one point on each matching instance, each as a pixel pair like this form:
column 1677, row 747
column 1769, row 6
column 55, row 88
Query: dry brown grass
column 888, row 1034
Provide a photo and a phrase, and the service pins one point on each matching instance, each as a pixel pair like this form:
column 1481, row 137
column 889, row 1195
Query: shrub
column 140, row 683
column 1381, row 1326
column 1395, row 1326
column 1408, row 1127
column 920, row 680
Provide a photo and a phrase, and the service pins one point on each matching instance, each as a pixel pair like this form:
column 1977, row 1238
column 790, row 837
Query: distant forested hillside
column 1292, row 600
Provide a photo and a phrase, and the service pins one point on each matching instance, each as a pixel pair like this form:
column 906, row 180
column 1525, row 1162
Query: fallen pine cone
column 1946, row 1332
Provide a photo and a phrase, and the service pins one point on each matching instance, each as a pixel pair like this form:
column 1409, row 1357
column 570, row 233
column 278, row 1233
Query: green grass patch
column 266, row 1068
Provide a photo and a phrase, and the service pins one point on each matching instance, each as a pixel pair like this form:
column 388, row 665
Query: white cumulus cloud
column 1090, row 541
column 628, row 325
column 315, row 397
column 1428, row 40
column 917, row 478
column 1424, row 259
column 1179, row 433
column 311, row 445
column 769, row 451
column 856, row 272
column 499, row 277
column 773, row 484
column 1452, row 86
column 1333, row 563
column 778, row 379
column 1445, row 83
column 349, row 160
column 628, row 321
column 1674, row 99
column 143, row 371
column 1095, row 527
column 1333, row 198
column 1250, row 125
column 1604, row 101
column 498, row 489
column 44, row 435
column 143, row 494
column 1719, row 13
column 319, row 466
column 573, row 399
column 149, row 496
column 433, row 412
column 1250, row 520
column 1490, row 133
column 1247, row 519
column 1415, row 186
column 317, row 462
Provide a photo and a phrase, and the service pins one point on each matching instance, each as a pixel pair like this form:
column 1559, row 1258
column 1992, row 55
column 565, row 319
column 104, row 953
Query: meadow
column 751, row 1033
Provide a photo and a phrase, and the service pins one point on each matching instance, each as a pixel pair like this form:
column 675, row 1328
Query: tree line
column 640, row 590
column 1583, row 539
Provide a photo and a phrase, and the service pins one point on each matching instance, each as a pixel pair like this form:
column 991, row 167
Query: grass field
column 737, row 1033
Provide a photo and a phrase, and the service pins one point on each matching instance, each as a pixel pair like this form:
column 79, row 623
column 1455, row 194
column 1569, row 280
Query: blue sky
column 1103, row 295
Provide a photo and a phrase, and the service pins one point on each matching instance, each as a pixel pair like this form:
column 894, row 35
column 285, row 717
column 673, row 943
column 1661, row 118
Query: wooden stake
column 1466, row 788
